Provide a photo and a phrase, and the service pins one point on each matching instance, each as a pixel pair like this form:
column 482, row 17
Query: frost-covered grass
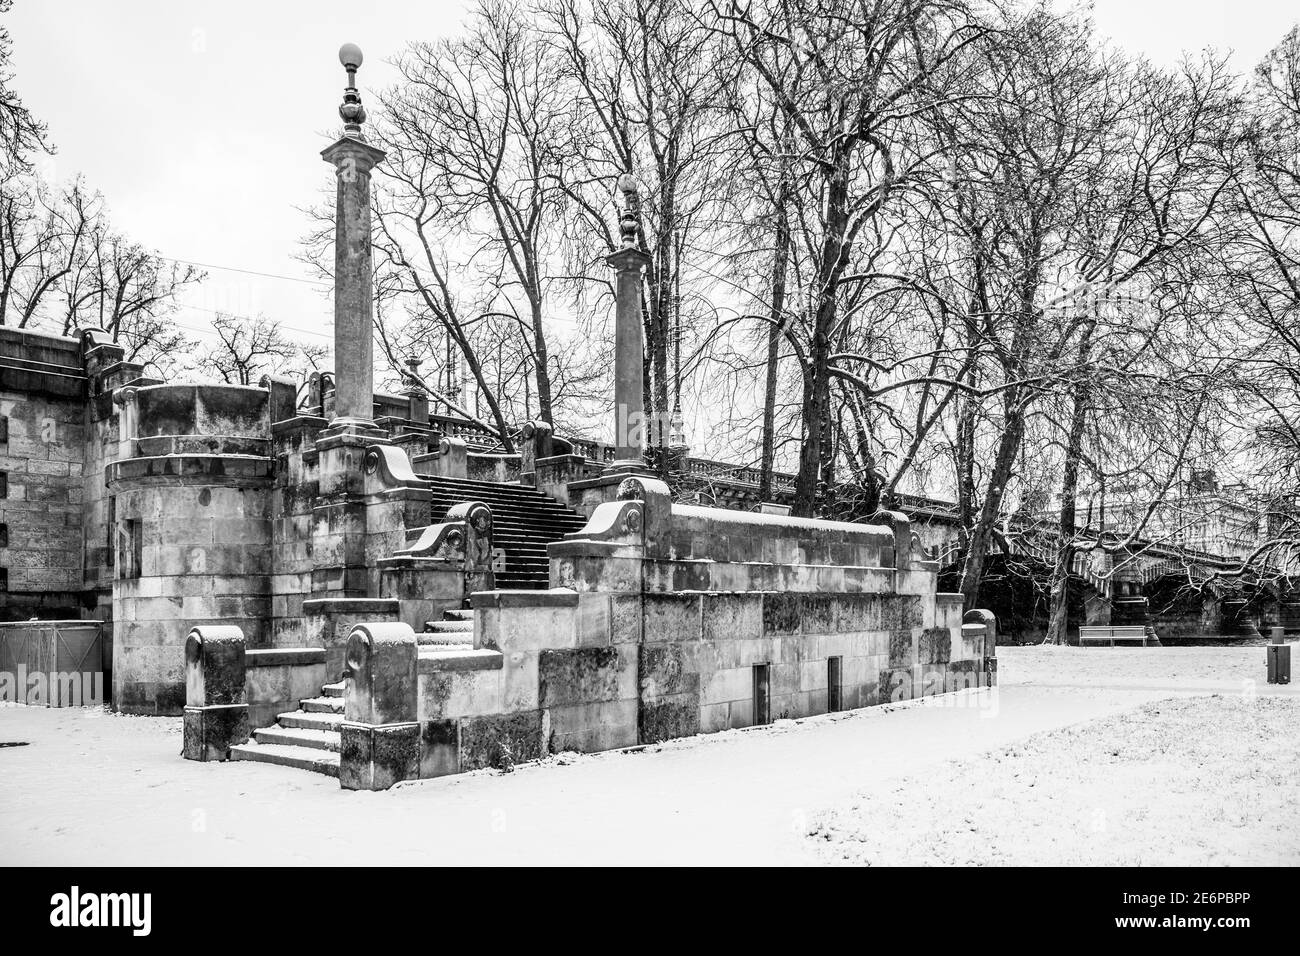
column 1200, row 781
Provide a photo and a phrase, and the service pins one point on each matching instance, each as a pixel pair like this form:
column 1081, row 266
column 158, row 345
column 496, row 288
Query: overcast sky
column 202, row 122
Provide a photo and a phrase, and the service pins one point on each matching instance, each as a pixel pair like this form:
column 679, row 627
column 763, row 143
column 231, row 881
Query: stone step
column 443, row 481
column 522, row 583
column 458, row 614
column 445, row 638
column 532, row 500
column 333, row 690
column 310, row 721
column 526, row 500
column 301, row 758
column 322, row 705
column 449, row 627
column 516, row 521
column 297, row 737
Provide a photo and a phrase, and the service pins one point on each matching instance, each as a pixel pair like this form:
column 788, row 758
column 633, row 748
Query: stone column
column 339, row 510
column 353, row 159
column 630, row 425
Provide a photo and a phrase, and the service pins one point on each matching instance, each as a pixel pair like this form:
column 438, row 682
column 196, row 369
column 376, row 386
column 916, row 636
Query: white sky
column 201, row 122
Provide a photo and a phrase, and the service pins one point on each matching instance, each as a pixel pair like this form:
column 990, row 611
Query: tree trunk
column 1058, row 618
column 817, row 393
column 543, row 370
column 981, row 536
column 1058, row 615
column 780, row 256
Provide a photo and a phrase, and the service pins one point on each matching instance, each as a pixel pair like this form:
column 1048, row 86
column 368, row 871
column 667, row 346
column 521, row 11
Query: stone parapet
column 328, row 623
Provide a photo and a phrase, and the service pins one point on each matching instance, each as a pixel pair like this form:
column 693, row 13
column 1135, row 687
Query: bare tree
column 479, row 115
column 246, row 349
column 647, row 82
column 21, row 133
column 851, row 80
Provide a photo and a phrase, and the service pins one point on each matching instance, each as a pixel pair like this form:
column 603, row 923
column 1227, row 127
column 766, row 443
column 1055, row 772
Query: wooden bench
column 1133, row 633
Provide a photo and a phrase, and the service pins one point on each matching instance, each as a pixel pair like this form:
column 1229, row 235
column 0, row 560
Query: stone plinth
column 380, row 736
column 216, row 705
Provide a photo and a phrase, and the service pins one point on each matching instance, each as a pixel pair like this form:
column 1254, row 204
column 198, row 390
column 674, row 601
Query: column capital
column 627, row 260
column 348, row 151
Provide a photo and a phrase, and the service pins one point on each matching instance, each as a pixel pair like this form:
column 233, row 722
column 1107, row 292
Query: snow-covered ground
column 1200, row 781
column 92, row 788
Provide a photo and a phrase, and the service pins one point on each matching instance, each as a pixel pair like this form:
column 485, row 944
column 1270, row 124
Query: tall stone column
column 353, row 159
column 339, row 532
column 630, row 425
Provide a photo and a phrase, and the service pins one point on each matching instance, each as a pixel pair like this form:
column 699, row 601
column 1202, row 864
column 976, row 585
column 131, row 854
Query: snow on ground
column 1200, row 781
column 93, row 788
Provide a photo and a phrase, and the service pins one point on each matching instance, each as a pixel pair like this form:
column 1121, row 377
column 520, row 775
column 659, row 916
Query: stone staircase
column 524, row 522
column 455, row 631
column 308, row 738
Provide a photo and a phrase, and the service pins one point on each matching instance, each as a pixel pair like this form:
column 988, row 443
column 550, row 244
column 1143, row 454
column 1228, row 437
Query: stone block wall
column 700, row 652
column 203, row 552
column 292, row 499
column 42, row 458
column 786, row 619
column 276, row 679
column 191, row 489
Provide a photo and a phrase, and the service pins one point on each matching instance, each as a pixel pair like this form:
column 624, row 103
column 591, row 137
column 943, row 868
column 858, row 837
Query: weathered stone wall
column 670, row 620
column 192, row 506
column 42, row 456
column 297, row 482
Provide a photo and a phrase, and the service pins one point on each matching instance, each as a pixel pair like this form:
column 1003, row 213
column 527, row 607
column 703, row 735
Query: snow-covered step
column 446, row 640
column 459, row 614
column 301, row 758
column 308, row 721
column 297, row 737
column 449, row 627
column 322, row 705
column 333, row 690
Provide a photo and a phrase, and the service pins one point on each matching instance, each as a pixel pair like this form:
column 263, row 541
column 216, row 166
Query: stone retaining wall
column 674, row 620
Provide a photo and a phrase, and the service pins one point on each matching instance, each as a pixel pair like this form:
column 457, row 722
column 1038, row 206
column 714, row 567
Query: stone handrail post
column 216, row 703
column 380, row 732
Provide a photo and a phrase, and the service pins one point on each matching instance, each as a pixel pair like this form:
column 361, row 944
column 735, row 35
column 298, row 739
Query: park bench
column 1133, row 633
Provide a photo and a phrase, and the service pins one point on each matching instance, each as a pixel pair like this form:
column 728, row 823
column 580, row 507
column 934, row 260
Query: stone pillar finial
column 416, row 396
column 413, row 375
column 627, row 223
column 351, row 111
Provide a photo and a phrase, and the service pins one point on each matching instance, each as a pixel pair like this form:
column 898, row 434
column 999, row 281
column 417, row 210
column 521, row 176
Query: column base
column 357, row 428
column 376, row 756
column 628, row 466
column 210, row 732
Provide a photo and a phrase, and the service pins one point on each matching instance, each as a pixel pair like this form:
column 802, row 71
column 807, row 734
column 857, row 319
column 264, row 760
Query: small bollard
column 1279, row 657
